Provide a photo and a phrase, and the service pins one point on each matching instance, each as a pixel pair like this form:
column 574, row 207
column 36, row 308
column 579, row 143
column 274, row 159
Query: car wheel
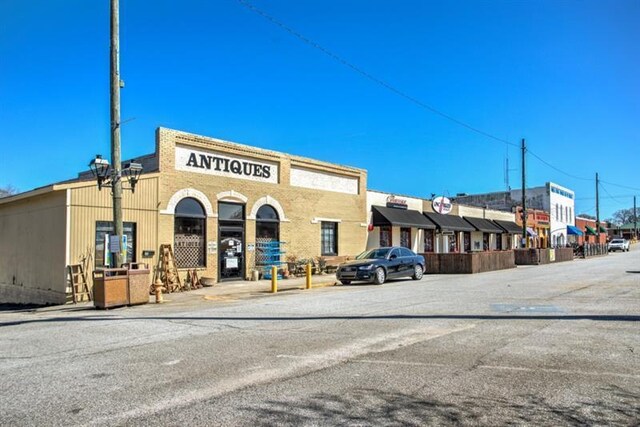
column 417, row 272
column 380, row 276
column 345, row 282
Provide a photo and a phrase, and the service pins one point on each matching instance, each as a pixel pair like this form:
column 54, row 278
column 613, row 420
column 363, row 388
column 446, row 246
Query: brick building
column 216, row 202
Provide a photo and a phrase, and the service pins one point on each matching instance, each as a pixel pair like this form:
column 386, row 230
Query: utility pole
column 635, row 219
column 115, row 128
column 524, row 198
column 597, row 211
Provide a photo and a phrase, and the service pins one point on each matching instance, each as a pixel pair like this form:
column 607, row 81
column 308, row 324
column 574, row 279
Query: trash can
column 110, row 288
column 138, row 283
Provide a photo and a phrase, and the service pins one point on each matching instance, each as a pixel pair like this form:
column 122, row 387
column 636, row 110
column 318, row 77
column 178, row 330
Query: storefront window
column 385, row 236
column 428, row 241
column 189, row 234
column 405, row 237
column 485, row 241
column 104, row 229
column 329, row 238
column 267, row 224
column 499, row 242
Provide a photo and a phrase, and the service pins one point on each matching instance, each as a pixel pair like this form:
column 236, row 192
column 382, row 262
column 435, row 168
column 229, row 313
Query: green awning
column 602, row 229
column 590, row 231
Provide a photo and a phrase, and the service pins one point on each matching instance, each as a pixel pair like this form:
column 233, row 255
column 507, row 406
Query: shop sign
column 212, row 247
column 442, row 205
column 212, row 163
column 395, row 202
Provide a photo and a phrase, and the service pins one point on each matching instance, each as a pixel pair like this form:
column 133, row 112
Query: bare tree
column 7, row 190
column 623, row 216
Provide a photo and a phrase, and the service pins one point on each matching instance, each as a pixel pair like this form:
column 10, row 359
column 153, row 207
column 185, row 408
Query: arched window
column 267, row 213
column 267, row 224
column 189, row 234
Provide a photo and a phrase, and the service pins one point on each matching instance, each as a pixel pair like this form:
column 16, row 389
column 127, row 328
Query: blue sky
column 562, row 74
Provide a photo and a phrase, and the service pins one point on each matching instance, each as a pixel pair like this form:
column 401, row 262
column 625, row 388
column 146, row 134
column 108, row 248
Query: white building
column 559, row 202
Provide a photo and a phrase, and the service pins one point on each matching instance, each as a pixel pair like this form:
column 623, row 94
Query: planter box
column 138, row 284
column 110, row 288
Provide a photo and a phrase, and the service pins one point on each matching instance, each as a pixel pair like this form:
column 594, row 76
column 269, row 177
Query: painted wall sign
column 319, row 180
column 442, row 205
column 395, row 202
column 212, row 163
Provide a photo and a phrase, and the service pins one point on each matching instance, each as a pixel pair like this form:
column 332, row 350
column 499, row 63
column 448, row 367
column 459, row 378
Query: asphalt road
column 539, row 345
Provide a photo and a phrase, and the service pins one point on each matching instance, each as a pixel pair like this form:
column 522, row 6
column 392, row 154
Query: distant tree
column 623, row 216
column 7, row 191
column 587, row 216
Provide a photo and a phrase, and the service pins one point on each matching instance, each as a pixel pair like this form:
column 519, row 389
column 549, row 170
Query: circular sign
column 442, row 205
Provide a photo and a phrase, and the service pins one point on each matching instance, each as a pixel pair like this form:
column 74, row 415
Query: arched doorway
column 189, row 234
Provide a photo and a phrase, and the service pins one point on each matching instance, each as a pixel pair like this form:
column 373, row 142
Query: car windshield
column 617, row 241
column 379, row 253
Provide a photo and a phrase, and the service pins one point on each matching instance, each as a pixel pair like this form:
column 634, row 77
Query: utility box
column 110, row 288
column 138, row 283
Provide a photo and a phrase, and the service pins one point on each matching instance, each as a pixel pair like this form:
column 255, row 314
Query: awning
column 383, row 216
column 590, row 231
column 449, row 222
column 602, row 229
column 574, row 230
column 531, row 232
column 484, row 225
column 509, row 226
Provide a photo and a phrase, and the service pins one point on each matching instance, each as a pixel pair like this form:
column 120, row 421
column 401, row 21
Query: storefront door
column 231, row 253
column 231, row 259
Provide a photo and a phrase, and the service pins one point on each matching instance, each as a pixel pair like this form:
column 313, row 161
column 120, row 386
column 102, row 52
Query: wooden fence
column 468, row 263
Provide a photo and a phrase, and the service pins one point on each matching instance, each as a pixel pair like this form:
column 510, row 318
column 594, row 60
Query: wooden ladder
column 167, row 271
column 77, row 280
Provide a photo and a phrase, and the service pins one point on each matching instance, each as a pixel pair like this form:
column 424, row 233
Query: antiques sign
column 212, row 163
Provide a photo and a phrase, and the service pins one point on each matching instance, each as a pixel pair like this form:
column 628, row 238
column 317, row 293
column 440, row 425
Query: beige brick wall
column 302, row 207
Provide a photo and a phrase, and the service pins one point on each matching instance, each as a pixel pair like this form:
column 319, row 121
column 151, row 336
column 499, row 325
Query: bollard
column 274, row 279
column 158, row 289
column 308, row 286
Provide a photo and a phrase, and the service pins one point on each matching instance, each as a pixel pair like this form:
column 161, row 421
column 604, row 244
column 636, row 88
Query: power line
column 369, row 76
column 557, row 169
column 621, row 186
column 399, row 92
column 610, row 196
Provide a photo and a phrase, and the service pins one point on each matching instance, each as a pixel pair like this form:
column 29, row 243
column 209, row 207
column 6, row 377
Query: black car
column 378, row 265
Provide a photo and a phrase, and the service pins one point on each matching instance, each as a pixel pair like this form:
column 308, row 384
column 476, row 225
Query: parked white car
column 618, row 245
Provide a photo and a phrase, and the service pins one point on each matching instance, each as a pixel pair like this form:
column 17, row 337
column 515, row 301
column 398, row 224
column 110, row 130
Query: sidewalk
column 223, row 291
column 244, row 288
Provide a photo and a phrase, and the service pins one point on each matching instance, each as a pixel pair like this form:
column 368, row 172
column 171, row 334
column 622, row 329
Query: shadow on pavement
column 99, row 318
column 379, row 408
